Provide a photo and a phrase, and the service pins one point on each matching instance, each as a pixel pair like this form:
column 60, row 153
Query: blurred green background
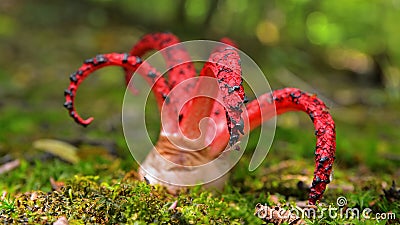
column 346, row 51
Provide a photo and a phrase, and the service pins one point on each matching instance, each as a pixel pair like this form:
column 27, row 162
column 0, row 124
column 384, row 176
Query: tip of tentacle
column 82, row 122
column 69, row 105
column 88, row 121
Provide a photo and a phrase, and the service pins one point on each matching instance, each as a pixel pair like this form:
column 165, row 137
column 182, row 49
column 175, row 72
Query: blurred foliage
column 351, row 43
column 346, row 51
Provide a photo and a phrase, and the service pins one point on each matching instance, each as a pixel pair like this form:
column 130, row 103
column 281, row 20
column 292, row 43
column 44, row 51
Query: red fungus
column 224, row 65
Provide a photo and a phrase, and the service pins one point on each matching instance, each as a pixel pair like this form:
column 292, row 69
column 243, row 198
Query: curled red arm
column 293, row 99
column 159, row 86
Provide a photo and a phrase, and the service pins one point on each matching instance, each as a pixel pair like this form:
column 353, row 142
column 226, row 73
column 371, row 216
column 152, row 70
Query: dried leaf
column 58, row 148
column 9, row 166
column 56, row 185
column 34, row 196
column 61, row 221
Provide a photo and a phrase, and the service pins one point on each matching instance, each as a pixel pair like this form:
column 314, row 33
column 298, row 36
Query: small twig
column 61, row 221
column 173, row 205
column 3, row 196
column 9, row 166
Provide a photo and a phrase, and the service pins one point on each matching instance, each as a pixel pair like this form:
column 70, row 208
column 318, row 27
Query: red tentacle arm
column 207, row 107
column 199, row 107
column 159, row 86
column 292, row 99
column 174, row 56
column 219, row 116
column 225, row 66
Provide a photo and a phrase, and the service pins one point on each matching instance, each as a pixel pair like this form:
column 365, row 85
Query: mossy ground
column 100, row 190
column 119, row 198
column 85, row 200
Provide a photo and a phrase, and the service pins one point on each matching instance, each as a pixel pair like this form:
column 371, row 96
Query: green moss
column 86, row 200
column 113, row 199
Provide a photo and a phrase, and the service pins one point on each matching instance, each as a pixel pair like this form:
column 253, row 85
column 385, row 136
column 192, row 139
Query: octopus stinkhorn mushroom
column 231, row 123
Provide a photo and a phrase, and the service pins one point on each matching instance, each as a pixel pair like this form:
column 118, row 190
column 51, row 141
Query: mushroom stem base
column 177, row 167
